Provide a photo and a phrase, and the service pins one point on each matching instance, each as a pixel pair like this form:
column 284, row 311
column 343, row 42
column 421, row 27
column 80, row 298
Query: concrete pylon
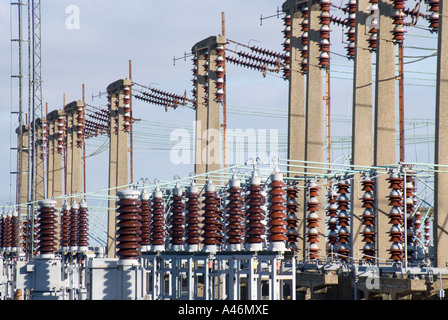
column 362, row 119
column 385, row 152
column 314, row 145
column 118, row 154
column 54, row 160
column 441, row 145
column 296, row 105
column 208, row 145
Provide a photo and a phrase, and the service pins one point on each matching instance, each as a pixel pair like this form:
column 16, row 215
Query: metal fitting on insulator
column 177, row 220
column 47, row 228
column 255, row 226
column 128, row 226
column 277, row 213
column 83, row 227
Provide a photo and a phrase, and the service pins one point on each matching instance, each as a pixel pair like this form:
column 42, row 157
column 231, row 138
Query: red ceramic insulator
column 325, row 5
column 399, row 4
column 427, row 232
column 304, row 25
column 192, row 212
column 324, row 60
column 73, row 235
column 210, row 234
column 255, row 228
column 325, row 18
column 351, row 34
column 292, row 220
column 304, row 65
column 128, row 225
column 277, row 213
column 65, row 227
column 396, row 215
column 7, row 230
column 177, row 220
column 158, row 228
column 61, row 134
column 145, row 206
column 324, row 45
column 368, row 217
column 343, row 219
column 324, row 32
column 332, row 213
column 47, row 227
column 398, row 33
column 235, row 216
column 313, row 220
column 127, row 108
column 83, row 226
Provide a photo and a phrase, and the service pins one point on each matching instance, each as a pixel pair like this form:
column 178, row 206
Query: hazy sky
column 151, row 33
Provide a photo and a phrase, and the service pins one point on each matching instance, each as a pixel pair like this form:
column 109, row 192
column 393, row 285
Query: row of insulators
column 156, row 99
column 412, row 222
column 61, row 134
column 220, row 73
column 332, row 218
column 195, row 80
column 74, row 227
column 368, row 217
column 93, row 129
column 343, row 201
column 396, row 216
column 312, row 220
column 259, row 66
column 351, row 24
column 9, row 231
column 127, row 109
column 304, row 27
column 287, row 46
column 324, row 33
column 80, row 127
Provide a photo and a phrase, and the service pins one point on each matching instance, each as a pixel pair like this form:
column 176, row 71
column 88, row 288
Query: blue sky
column 151, row 33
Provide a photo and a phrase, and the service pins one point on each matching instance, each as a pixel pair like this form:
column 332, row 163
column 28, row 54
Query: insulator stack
column 61, row 133
column 158, row 228
column 211, row 219
column 127, row 109
column 73, row 237
column 14, row 230
column 332, row 214
column 83, row 226
column 220, row 72
column 195, row 81
column 343, row 219
column 434, row 15
column 220, row 222
column 427, row 232
column 324, row 32
column 7, row 230
column 206, row 77
column 292, row 219
column 313, row 220
column 373, row 30
column 351, row 22
column 410, row 207
column 47, row 227
column 277, row 213
column 287, row 46
column 304, row 40
column 177, row 220
column 396, row 216
column 128, row 225
column 192, row 212
column 398, row 16
column 145, row 235
column 2, row 232
column 65, row 227
column 368, row 217
column 80, row 127
column 235, row 216
column 255, row 228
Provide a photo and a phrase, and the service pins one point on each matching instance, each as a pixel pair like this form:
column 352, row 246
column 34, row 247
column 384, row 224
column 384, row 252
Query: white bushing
column 128, row 194
column 254, row 246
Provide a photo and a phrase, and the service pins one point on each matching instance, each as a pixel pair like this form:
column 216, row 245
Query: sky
column 151, row 34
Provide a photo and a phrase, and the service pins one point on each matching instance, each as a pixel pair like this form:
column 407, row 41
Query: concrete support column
column 385, row 152
column 362, row 121
column 441, row 145
column 208, row 144
column 296, row 106
column 314, row 147
column 55, row 165
column 118, row 155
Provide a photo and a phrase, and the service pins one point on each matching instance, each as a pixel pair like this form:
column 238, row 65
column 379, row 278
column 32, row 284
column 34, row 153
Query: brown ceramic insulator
column 351, row 6
column 47, row 227
column 325, row 18
column 304, row 65
column 128, row 225
column 210, row 229
column 373, row 39
column 254, row 215
column 73, row 235
column 83, row 225
column 427, row 235
column 1, row 232
column 158, row 228
column 398, row 33
column 192, row 212
column 399, row 4
column 312, row 221
column 145, row 206
column 396, row 215
column 7, row 230
column 324, row 60
column 351, row 34
column 79, row 127
column 127, row 109
column 332, row 214
column 277, row 212
column 235, row 218
column 65, row 227
column 343, row 219
column 14, row 229
column 325, row 5
column 292, row 220
column 324, row 32
column 177, row 221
